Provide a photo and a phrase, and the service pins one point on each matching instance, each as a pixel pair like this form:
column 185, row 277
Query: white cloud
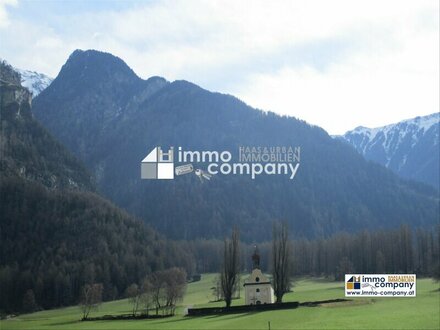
column 342, row 99
column 337, row 64
column 395, row 76
column 4, row 17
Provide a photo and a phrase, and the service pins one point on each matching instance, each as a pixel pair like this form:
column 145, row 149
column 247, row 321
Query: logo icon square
column 158, row 164
column 165, row 171
column 149, row 171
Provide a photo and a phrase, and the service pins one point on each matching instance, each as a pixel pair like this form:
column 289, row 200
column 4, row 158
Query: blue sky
column 337, row 64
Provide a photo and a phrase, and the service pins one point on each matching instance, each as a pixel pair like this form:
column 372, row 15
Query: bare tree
column 175, row 285
column 91, row 298
column 230, row 270
column 166, row 288
column 133, row 293
column 280, row 260
column 157, row 290
column 146, row 298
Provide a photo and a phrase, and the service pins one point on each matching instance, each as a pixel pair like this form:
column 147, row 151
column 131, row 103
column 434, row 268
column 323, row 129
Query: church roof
column 256, row 277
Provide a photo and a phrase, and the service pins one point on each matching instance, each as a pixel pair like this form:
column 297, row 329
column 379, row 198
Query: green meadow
column 422, row 312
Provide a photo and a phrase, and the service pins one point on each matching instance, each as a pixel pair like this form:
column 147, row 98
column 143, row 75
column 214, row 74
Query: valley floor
column 421, row 312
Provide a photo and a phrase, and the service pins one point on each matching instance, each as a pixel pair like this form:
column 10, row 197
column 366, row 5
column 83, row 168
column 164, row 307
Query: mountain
column 110, row 119
column 28, row 150
column 56, row 233
column 409, row 148
column 87, row 83
column 35, row 82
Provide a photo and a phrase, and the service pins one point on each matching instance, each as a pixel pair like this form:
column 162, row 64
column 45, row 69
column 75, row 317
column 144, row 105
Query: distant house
column 257, row 287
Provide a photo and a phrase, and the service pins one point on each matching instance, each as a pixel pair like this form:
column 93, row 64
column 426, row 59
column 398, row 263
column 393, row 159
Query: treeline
column 52, row 243
column 393, row 251
column 401, row 250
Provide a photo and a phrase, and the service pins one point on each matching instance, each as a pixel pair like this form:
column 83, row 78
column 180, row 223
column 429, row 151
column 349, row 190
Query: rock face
column 8, row 75
column 410, row 148
column 34, row 82
column 111, row 119
column 27, row 149
column 12, row 92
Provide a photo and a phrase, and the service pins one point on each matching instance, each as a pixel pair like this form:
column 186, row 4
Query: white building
column 257, row 287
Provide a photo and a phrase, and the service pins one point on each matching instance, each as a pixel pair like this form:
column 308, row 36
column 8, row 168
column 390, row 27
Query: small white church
column 257, row 287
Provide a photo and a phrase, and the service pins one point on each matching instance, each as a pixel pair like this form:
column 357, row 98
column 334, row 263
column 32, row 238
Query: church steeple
column 257, row 287
column 256, row 259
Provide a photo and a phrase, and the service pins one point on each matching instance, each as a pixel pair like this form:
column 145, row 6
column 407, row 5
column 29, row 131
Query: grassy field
column 421, row 312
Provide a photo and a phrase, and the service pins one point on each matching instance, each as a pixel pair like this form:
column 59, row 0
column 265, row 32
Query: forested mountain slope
column 110, row 119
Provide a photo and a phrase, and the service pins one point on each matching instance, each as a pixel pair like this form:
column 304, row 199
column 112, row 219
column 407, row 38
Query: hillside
column 409, row 148
column 27, row 149
column 110, row 118
column 56, row 234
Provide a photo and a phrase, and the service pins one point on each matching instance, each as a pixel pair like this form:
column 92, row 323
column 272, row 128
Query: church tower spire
column 257, row 287
column 256, row 259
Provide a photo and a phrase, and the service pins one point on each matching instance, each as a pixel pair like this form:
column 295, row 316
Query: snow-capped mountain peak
column 410, row 147
column 35, row 82
column 420, row 122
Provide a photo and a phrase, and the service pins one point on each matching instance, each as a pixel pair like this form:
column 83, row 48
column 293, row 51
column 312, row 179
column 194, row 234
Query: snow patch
column 391, row 137
column 35, row 82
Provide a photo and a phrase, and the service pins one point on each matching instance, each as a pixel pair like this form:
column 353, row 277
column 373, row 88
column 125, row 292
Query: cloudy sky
column 336, row 64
